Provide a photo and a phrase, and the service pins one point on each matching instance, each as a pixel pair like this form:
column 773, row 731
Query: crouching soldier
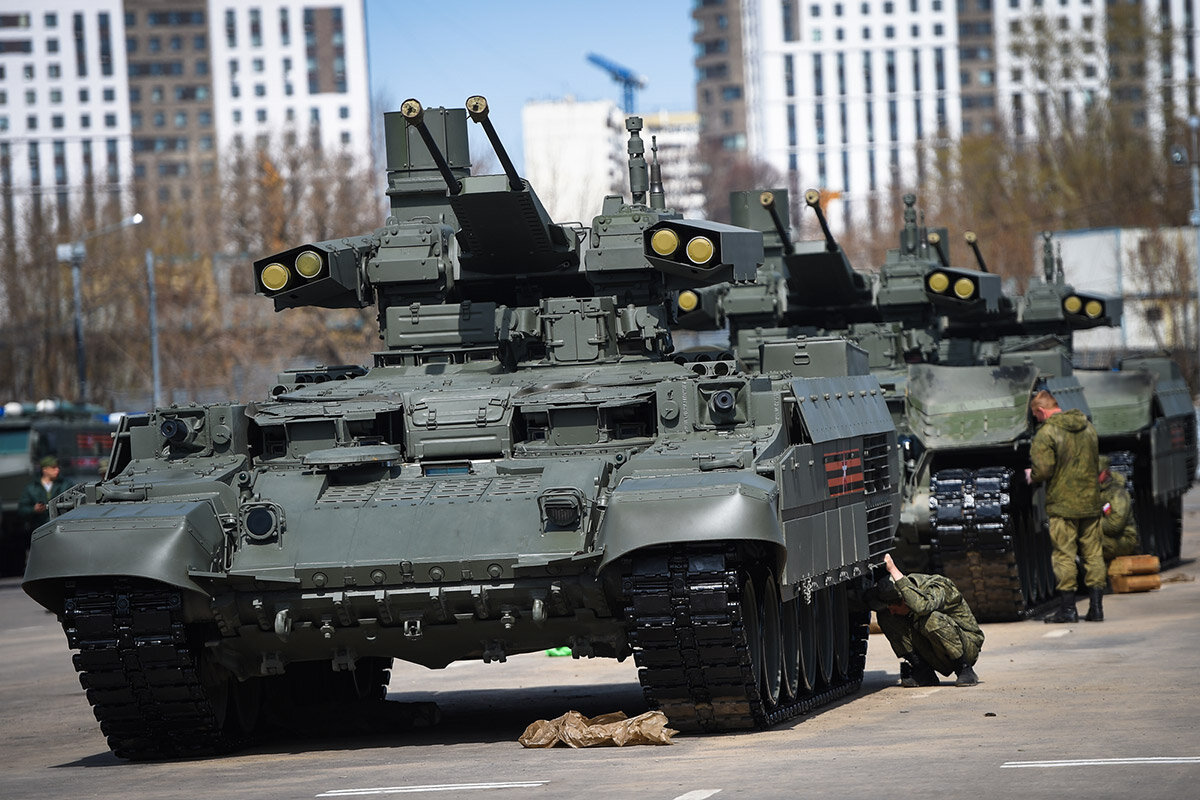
column 929, row 626
column 1120, row 534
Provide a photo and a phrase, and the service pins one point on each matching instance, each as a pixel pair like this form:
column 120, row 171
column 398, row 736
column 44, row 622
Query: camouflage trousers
column 1126, row 544
column 936, row 638
column 1082, row 536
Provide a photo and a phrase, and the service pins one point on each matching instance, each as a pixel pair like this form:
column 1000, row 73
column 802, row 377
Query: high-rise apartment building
column 134, row 101
column 288, row 71
column 854, row 97
column 170, row 97
column 64, row 111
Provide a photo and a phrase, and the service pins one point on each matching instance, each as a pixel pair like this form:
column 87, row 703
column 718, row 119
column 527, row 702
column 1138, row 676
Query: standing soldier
column 929, row 625
column 1116, row 515
column 34, row 505
column 1065, row 456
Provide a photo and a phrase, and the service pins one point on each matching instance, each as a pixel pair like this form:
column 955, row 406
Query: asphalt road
column 1086, row 711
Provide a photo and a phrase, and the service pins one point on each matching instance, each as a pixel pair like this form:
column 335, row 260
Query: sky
column 514, row 51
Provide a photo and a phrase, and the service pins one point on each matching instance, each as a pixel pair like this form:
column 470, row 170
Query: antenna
column 628, row 79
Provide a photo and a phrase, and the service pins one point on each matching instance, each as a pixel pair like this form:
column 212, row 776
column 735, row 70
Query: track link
column 983, row 541
column 691, row 649
column 140, row 672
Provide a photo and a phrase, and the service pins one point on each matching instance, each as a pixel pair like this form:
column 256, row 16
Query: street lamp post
column 74, row 253
column 1194, row 219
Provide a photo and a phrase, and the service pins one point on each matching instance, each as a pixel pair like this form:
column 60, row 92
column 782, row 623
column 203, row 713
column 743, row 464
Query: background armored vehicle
column 1147, row 425
column 526, row 464
column 78, row 436
column 983, row 530
column 952, row 412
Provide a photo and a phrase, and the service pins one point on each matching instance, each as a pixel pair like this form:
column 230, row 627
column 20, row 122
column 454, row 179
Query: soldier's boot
column 1095, row 612
column 965, row 675
column 1066, row 609
column 915, row 672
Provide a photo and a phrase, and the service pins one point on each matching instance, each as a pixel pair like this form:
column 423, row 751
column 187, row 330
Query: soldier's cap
column 882, row 595
column 48, row 462
column 1105, row 463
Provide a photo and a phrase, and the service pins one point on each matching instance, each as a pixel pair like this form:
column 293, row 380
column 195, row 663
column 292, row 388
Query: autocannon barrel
column 414, row 113
column 477, row 108
column 767, row 199
column 935, row 241
column 973, row 243
column 813, row 198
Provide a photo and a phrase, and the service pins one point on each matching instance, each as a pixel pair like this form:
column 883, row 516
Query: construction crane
column 628, row 79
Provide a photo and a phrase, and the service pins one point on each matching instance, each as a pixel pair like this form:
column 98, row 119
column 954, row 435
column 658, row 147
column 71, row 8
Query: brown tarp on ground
column 576, row 730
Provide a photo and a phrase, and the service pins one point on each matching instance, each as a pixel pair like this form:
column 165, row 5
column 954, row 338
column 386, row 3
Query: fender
column 716, row 506
column 157, row 541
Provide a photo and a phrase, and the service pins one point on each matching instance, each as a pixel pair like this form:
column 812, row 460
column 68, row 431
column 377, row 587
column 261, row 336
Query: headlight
column 964, row 288
column 1094, row 309
column 688, row 300
column 1072, row 304
column 939, row 282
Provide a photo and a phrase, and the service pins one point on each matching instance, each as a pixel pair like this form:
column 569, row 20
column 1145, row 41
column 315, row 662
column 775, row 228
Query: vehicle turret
column 472, row 266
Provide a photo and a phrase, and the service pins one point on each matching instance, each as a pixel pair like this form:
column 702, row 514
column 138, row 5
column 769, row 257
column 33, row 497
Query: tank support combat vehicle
column 526, row 464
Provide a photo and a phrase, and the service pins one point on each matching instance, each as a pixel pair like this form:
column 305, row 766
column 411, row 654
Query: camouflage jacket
column 1118, row 523
column 924, row 594
column 1065, row 455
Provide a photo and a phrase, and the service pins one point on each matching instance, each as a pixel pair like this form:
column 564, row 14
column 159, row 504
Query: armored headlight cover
column 562, row 509
column 261, row 522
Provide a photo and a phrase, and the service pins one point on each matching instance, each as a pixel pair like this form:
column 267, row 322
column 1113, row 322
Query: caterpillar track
column 718, row 651
column 142, row 674
column 157, row 694
column 985, row 540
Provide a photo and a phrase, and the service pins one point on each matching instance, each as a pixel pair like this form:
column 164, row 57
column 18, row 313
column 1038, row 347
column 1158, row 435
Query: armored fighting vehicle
column 1142, row 409
column 901, row 315
column 1143, row 413
column 985, row 529
column 526, row 464
column 79, row 436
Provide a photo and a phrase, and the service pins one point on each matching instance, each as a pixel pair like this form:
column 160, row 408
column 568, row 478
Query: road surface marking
column 1057, row 634
column 698, row 794
column 431, row 787
column 1102, row 762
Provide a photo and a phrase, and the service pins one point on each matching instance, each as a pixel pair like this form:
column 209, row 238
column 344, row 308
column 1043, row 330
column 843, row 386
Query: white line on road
column 1102, row 762
column 698, row 794
column 1057, row 634
column 431, row 787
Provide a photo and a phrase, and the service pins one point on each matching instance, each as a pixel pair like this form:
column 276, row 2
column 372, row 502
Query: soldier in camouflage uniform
column 1116, row 515
column 1065, row 456
column 929, row 625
